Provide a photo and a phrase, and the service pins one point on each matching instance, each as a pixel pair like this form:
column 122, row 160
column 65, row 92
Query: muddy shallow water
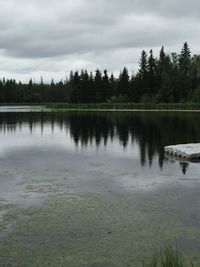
column 94, row 189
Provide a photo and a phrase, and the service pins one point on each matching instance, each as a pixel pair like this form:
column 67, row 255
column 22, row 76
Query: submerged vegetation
column 93, row 230
column 168, row 78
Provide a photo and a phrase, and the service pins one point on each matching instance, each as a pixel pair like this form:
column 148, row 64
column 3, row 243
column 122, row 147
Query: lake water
column 94, row 188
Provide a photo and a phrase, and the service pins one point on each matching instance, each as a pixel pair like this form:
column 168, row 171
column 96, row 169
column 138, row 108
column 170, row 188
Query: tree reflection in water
column 150, row 130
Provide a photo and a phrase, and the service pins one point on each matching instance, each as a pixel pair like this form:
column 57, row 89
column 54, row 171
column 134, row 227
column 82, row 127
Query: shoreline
column 125, row 110
column 62, row 108
column 106, row 107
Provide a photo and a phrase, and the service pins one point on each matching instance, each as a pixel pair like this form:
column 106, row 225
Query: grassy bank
column 127, row 106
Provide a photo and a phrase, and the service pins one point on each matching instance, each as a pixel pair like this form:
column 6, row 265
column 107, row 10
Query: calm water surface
column 100, row 151
column 46, row 156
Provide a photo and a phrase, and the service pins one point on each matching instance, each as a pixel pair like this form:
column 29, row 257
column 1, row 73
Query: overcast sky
column 51, row 37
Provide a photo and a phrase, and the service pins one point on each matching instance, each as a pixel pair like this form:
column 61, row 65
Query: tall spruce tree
column 185, row 60
column 142, row 75
column 151, row 69
column 98, row 85
column 84, row 87
column 75, row 87
column 123, row 83
column 112, row 82
column 163, row 70
column 195, row 71
column 106, row 86
column 161, row 66
column 91, row 94
column 185, row 72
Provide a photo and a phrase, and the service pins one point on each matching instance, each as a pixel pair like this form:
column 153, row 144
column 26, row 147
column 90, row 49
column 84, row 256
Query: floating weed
column 40, row 188
column 88, row 230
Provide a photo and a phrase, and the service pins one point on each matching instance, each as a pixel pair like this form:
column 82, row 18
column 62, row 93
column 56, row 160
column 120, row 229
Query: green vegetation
column 126, row 106
column 168, row 78
column 168, row 257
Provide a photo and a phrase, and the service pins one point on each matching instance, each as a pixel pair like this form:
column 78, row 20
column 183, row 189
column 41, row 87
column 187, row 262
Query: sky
column 51, row 37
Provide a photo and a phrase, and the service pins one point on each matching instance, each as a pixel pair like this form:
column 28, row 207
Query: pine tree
column 163, row 69
column 106, row 86
column 74, row 87
column 123, row 83
column 30, row 82
column 185, row 72
column 142, row 75
column 185, row 60
column 2, row 92
column 133, row 94
column 151, row 68
column 112, row 82
column 98, row 86
column 84, row 87
column 91, row 94
column 143, row 66
column 161, row 65
column 195, row 71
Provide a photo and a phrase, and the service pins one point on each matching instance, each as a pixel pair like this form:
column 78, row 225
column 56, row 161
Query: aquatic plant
column 168, row 257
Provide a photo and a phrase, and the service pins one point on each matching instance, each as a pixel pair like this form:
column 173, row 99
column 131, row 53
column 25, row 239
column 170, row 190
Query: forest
column 167, row 78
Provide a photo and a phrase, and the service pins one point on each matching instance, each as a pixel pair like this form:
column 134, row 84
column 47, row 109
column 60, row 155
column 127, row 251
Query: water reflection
column 149, row 131
column 184, row 166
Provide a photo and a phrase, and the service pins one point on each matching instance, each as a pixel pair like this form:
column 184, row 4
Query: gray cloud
column 45, row 36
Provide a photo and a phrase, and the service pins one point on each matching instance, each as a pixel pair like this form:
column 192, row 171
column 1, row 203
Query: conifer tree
column 112, row 82
column 106, row 86
column 185, row 60
column 151, row 69
column 75, row 87
column 142, row 75
column 123, row 83
column 185, row 72
column 98, row 86
column 143, row 66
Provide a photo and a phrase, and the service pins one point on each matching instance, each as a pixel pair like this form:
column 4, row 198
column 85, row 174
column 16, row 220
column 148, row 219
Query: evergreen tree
column 143, row 66
column 163, row 69
column 133, row 93
column 91, row 93
column 98, row 85
column 142, row 75
column 75, row 87
column 151, row 69
column 185, row 72
column 106, row 87
column 185, row 60
column 195, row 71
column 30, row 82
column 112, row 82
column 161, row 66
column 123, row 83
column 84, row 87
column 2, row 93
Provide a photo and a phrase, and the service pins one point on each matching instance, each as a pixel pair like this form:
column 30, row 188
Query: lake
column 94, row 189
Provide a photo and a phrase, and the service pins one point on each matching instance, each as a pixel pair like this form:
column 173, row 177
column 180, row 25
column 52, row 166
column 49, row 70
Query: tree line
column 168, row 78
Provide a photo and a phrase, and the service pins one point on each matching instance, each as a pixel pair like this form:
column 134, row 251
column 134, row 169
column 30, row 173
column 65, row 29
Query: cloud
column 39, row 36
